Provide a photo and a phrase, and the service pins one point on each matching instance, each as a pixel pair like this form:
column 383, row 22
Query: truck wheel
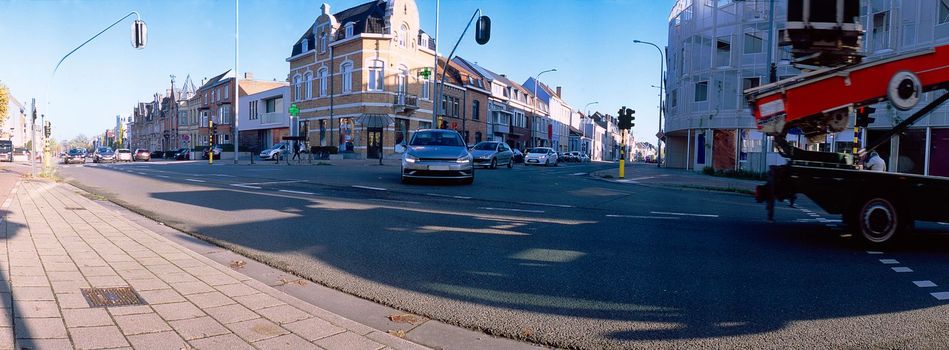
column 878, row 221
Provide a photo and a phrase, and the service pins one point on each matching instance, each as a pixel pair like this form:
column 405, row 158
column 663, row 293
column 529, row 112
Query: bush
column 324, row 149
column 708, row 170
column 738, row 174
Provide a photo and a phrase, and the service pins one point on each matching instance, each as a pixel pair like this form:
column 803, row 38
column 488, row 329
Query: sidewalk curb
column 717, row 189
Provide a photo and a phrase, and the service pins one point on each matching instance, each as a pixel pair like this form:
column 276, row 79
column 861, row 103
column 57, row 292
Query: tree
column 80, row 141
column 4, row 102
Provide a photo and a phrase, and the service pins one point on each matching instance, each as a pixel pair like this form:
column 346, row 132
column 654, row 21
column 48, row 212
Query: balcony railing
column 273, row 118
column 403, row 101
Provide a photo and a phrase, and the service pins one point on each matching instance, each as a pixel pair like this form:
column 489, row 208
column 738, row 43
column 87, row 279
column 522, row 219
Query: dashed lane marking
column 845, row 235
column 924, row 284
column 889, row 261
column 873, row 252
column 273, row 182
column 547, row 204
column 642, row 217
column 393, row 201
column 684, row 214
column 447, row 196
column 246, row 186
column 163, row 176
column 297, row 192
column 512, row 209
column 370, row 188
column 195, row 180
column 940, row 295
column 578, row 174
column 901, row 269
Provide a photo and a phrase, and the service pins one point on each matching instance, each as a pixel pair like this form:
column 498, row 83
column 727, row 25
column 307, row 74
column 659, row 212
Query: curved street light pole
column 536, row 103
column 662, row 61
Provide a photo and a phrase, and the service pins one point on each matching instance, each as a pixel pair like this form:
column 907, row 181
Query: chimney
column 503, row 75
column 249, row 75
column 326, row 9
column 558, row 91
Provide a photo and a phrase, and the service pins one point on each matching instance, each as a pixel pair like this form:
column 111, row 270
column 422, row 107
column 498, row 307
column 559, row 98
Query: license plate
column 532, row 160
column 438, row 167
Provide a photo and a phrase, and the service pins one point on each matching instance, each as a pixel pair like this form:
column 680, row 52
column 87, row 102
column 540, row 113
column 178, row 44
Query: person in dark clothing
column 778, row 187
column 296, row 150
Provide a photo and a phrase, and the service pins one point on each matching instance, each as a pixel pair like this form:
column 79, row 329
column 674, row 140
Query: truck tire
column 879, row 221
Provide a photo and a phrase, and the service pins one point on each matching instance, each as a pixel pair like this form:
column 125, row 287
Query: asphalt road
column 555, row 257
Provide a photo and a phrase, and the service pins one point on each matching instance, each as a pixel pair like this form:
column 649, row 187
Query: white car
column 123, row 155
column 541, row 156
column 278, row 150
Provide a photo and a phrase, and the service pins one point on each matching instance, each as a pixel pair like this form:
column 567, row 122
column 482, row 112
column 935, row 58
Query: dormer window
column 305, row 45
column 349, row 30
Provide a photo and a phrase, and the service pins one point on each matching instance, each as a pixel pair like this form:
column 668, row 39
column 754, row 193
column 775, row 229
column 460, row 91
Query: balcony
column 273, row 118
column 405, row 102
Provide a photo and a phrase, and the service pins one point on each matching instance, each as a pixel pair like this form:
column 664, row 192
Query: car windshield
column 538, row 150
column 437, row 138
column 486, row 146
column 74, row 152
column 124, row 151
column 105, row 150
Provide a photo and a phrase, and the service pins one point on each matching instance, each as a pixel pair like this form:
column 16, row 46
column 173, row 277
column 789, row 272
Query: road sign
column 294, row 111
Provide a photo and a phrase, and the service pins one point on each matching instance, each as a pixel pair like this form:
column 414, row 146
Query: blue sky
column 588, row 41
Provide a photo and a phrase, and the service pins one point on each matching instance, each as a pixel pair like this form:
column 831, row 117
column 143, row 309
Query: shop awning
column 370, row 120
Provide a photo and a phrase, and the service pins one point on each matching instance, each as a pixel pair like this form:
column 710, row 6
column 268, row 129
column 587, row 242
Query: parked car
column 518, row 156
column 142, row 154
column 436, row 153
column 491, row 154
column 278, row 151
column 572, row 156
column 123, row 155
column 183, row 154
column 6, row 150
column 583, row 158
column 217, row 152
column 650, row 159
column 160, row 154
column 103, row 155
column 541, row 155
column 75, row 155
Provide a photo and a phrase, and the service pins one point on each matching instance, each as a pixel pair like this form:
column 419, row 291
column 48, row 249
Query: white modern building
column 16, row 127
column 718, row 48
column 265, row 120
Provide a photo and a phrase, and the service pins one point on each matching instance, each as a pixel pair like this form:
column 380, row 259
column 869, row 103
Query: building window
column 943, row 11
column 401, row 130
column 723, row 50
column 753, row 43
column 376, row 76
column 701, row 91
column 308, row 91
column 273, row 105
column 323, row 42
column 323, row 79
column 297, row 88
column 305, row 45
column 402, row 79
column 477, row 136
column 748, row 83
column 253, row 110
column 476, row 110
column 226, row 93
column 881, row 31
column 426, row 89
column 403, row 35
column 454, row 108
column 349, row 30
column 347, row 76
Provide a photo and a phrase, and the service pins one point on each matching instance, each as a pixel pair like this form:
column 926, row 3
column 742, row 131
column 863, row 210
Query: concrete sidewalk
column 650, row 174
column 56, row 244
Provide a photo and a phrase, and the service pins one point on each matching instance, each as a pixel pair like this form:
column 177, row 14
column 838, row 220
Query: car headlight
column 464, row 159
column 542, row 157
column 410, row 158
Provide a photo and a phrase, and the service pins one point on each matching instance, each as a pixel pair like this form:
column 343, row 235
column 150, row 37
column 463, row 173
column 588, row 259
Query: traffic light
column 626, row 118
column 47, row 129
column 863, row 116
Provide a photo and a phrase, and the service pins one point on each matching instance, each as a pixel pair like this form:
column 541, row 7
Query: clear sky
column 589, row 42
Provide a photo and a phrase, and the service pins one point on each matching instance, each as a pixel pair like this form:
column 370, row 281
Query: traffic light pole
column 622, row 158
column 33, row 141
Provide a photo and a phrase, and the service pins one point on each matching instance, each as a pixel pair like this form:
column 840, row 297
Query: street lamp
column 661, row 87
column 534, row 109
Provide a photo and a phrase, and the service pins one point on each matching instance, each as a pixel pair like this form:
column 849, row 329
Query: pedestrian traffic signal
column 626, row 118
column 482, row 30
column 863, row 116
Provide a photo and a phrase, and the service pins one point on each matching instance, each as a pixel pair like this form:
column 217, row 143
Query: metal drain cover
column 118, row 296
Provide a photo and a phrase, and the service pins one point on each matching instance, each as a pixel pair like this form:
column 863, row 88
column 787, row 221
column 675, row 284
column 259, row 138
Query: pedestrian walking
column 296, row 150
column 875, row 162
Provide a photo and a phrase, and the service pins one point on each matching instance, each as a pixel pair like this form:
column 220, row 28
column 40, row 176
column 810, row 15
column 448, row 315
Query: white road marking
column 273, row 182
column 446, row 196
column 625, row 181
column 813, row 214
column 246, row 186
column 223, row 175
column 944, row 223
column 872, row 252
column 163, row 176
column 547, row 204
column 194, row 180
column 643, row 178
column 511, row 209
column 889, row 261
column 370, row 188
column 901, row 269
column 940, row 295
column 846, row 235
column 140, row 173
column 578, row 174
column 642, row 217
column 297, row 192
column 393, row 201
column 684, row 214
column 924, row 284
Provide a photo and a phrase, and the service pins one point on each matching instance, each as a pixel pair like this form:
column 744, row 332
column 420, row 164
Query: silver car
column 492, row 153
column 436, row 154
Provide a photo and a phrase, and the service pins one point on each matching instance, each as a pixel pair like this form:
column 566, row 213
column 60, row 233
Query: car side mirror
column 400, row 148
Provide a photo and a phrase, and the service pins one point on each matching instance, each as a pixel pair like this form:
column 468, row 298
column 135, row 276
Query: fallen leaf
column 237, row 264
column 284, row 281
column 526, row 332
column 405, row 318
column 399, row 333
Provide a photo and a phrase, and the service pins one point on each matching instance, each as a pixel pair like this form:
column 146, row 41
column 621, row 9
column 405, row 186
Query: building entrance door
column 373, row 142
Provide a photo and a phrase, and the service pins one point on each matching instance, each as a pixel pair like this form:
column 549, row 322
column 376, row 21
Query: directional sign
column 294, row 111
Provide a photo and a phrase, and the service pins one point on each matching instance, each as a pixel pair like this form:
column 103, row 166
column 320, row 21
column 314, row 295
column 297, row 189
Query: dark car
column 142, row 154
column 183, row 154
column 217, row 152
column 104, row 155
column 160, row 154
column 518, row 156
column 6, row 150
column 75, row 155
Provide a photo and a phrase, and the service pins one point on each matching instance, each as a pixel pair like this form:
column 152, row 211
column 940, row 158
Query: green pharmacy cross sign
column 425, row 73
column 294, row 111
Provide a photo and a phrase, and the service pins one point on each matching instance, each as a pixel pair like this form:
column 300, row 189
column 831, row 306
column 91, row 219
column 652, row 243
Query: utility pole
column 33, row 139
column 237, row 106
column 174, row 127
